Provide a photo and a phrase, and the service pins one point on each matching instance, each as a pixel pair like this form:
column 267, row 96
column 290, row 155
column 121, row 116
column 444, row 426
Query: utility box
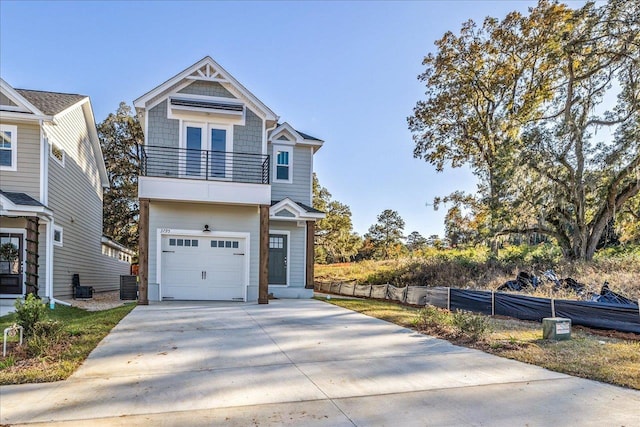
column 556, row 328
column 128, row 287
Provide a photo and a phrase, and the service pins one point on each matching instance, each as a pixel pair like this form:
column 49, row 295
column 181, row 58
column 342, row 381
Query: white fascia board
column 142, row 101
column 95, row 142
column 23, row 117
column 19, row 99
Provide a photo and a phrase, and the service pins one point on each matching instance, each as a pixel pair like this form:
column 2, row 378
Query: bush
column 45, row 334
column 29, row 311
column 431, row 317
column 470, row 325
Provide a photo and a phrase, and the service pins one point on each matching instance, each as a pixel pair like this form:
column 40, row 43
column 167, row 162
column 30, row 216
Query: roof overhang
column 207, row 70
column 9, row 208
column 288, row 210
column 189, row 106
column 293, row 137
column 23, row 110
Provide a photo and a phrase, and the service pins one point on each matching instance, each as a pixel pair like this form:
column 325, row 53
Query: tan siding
column 75, row 196
column 187, row 216
column 27, row 178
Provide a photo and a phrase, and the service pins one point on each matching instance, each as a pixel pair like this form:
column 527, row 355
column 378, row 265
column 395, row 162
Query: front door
column 277, row 259
column 11, row 263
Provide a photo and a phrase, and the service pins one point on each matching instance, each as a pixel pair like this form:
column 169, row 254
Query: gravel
column 100, row 301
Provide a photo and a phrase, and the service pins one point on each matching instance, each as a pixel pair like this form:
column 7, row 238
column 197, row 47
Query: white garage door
column 203, row 268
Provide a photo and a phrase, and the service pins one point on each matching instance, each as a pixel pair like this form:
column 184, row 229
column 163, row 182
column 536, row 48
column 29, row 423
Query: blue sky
column 342, row 71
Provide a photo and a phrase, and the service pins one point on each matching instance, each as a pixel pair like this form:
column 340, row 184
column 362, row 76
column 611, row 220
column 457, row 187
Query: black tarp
column 522, row 307
column 476, row 301
column 437, row 297
column 624, row 318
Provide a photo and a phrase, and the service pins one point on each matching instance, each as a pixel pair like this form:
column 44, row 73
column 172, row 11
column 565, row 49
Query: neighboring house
column 52, row 175
column 225, row 193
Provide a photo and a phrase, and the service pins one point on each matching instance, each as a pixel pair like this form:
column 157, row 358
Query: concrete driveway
column 303, row 362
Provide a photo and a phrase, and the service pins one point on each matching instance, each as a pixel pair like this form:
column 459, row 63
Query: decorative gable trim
column 207, row 70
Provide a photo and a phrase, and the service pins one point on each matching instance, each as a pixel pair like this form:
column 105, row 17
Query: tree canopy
column 545, row 109
column 334, row 237
column 120, row 135
column 386, row 235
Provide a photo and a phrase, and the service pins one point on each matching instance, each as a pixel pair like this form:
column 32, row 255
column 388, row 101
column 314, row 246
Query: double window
column 8, row 147
column 283, row 164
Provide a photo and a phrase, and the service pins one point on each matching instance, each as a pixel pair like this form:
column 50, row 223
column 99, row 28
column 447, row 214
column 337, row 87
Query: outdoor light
column 206, row 227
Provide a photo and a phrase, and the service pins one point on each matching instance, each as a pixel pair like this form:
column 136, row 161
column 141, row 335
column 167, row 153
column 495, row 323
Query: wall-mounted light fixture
column 206, row 227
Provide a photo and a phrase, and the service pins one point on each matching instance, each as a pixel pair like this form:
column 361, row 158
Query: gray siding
column 26, row 179
column 199, row 87
column 248, row 138
column 75, row 196
column 300, row 188
column 187, row 216
column 162, row 131
column 296, row 251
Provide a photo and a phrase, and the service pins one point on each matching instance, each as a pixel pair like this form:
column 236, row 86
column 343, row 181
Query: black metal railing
column 169, row 162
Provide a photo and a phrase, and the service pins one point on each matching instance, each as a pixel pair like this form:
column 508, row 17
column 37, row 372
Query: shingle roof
column 50, row 103
column 307, row 136
column 309, row 209
column 21, row 199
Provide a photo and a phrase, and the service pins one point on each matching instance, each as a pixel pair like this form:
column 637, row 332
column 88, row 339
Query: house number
column 165, row 230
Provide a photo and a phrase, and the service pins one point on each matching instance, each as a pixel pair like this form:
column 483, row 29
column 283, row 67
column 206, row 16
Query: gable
column 210, row 79
column 285, row 213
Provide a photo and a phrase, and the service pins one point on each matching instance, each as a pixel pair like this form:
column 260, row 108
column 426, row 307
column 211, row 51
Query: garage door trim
column 162, row 232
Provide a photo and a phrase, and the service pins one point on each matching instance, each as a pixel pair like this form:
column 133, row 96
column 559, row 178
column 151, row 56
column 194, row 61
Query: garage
column 204, row 268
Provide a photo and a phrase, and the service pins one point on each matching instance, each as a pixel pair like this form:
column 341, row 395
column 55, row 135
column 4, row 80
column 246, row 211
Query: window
column 207, row 147
column 57, row 235
column 283, row 163
column 8, row 147
column 56, row 153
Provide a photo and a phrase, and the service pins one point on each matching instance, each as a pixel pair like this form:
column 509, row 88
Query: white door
column 203, row 268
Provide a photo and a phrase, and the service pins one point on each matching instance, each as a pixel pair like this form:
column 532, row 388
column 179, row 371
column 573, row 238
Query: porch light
column 206, row 227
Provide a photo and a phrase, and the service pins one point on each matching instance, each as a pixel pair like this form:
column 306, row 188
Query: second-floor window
column 283, row 163
column 8, row 147
column 57, row 153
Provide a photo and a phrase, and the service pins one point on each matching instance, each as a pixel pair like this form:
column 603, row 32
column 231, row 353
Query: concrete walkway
column 302, row 362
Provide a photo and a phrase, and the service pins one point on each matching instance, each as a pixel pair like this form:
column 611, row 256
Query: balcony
column 204, row 176
column 168, row 162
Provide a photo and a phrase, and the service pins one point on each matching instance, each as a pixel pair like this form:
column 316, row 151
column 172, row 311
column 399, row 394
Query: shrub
column 432, row 317
column 45, row 334
column 29, row 311
column 470, row 325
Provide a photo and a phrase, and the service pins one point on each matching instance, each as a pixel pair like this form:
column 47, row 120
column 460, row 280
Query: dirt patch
column 100, row 301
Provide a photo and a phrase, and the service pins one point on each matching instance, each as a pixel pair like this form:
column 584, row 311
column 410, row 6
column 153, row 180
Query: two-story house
column 225, row 193
column 52, row 175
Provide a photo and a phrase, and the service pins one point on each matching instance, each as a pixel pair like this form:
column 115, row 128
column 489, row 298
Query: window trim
column 59, row 243
column 205, row 144
column 61, row 162
column 282, row 148
column 14, row 147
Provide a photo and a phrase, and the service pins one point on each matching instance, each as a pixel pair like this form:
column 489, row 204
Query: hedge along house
column 52, row 176
column 225, row 193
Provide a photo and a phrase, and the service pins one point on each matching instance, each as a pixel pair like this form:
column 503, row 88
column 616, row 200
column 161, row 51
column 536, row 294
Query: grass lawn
column 588, row 354
column 82, row 331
